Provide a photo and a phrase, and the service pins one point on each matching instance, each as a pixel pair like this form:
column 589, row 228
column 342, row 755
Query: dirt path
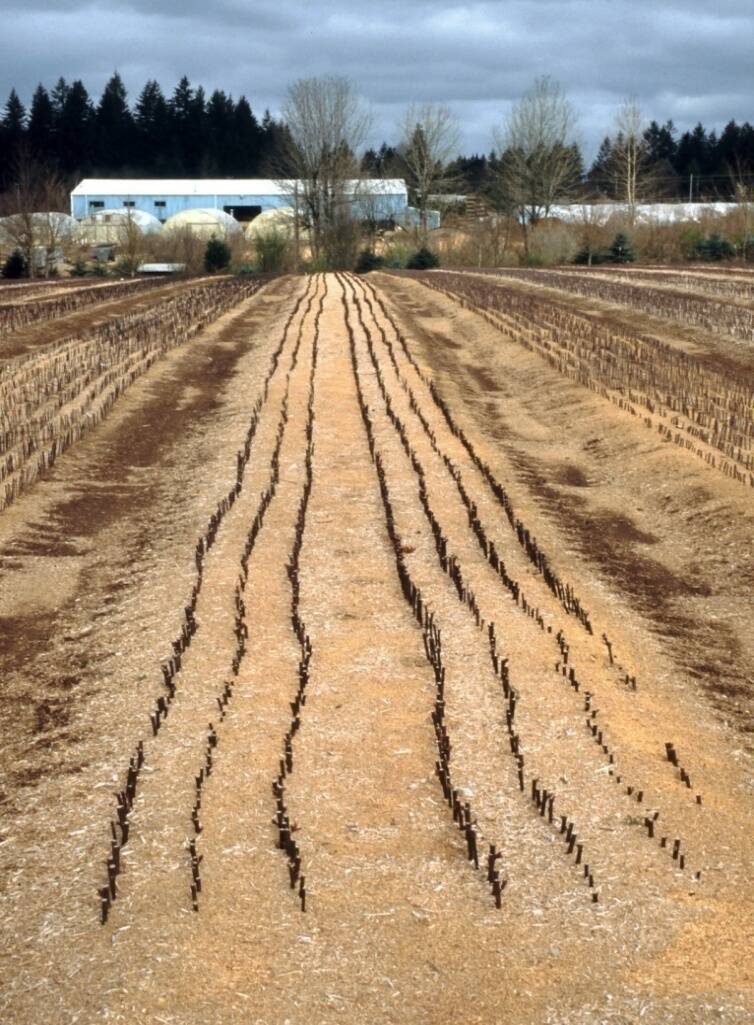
column 311, row 517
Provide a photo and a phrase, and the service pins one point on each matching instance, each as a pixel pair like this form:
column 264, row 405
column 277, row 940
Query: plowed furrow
column 593, row 693
column 477, row 725
column 191, row 670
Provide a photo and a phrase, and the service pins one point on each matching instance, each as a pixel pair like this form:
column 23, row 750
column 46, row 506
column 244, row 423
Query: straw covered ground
column 382, row 656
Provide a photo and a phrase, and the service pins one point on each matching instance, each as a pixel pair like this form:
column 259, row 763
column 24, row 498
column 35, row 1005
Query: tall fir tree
column 14, row 118
column 660, row 140
column 661, row 149
column 75, row 131
column 220, row 134
column 599, row 179
column 275, row 148
column 114, row 129
column 152, row 130
column 12, row 135
column 247, row 138
column 196, row 148
column 181, row 111
column 59, row 95
column 41, row 131
column 693, row 159
column 471, row 172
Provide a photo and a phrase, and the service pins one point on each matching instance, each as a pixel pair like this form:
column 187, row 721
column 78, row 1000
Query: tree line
column 184, row 135
column 696, row 165
column 189, row 134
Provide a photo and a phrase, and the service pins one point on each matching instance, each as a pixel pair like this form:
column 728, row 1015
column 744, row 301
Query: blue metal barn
column 244, row 199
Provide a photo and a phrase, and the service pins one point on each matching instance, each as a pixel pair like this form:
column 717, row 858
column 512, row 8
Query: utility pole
column 691, row 187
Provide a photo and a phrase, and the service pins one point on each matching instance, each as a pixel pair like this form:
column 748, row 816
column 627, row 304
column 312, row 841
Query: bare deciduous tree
column 540, row 163
column 630, row 166
column 182, row 245
column 743, row 218
column 130, row 243
column 328, row 124
column 429, row 141
column 591, row 219
column 33, row 223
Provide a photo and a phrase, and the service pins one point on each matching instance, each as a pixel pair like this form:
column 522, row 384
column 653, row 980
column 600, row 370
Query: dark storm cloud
column 686, row 61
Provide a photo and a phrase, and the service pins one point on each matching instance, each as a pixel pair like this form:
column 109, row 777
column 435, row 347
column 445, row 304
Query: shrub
column 340, row 243
column 315, row 265
column 79, row 268
column 590, row 257
column 368, row 261
column 15, row 265
column 423, row 259
column 396, row 255
column 216, row 255
column 273, row 251
column 714, row 247
column 551, row 244
column 126, row 267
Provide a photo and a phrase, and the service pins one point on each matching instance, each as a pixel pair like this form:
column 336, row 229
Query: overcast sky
column 687, row 61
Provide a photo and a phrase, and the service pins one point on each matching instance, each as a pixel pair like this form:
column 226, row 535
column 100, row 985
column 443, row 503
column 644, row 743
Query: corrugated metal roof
column 214, row 187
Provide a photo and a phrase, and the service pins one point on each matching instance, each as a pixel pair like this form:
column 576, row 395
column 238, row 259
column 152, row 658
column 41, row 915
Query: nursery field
column 378, row 649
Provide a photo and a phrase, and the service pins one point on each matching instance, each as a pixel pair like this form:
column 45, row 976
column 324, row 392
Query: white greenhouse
column 281, row 220
column 204, row 223
column 108, row 227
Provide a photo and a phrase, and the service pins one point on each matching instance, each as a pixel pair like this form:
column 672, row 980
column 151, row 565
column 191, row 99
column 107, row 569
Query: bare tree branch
column 328, row 124
column 540, row 163
column 429, row 141
column 33, row 208
column 630, row 166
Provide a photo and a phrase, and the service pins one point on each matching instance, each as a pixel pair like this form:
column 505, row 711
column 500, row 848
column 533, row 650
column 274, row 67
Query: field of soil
column 379, row 650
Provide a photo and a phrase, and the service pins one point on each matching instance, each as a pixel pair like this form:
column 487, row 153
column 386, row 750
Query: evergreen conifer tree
column 151, row 128
column 423, row 259
column 14, row 266
column 196, row 148
column 12, row 135
column 247, row 138
column 216, row 255
column 220, row 136
column 42, row 125
column 714, row 248
column 621, row 250
column 599, row 176
column 181, row 112
column 75, row 130
column 114, row 128
column 14, row 117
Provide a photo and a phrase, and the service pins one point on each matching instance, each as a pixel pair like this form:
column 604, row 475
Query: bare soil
column 97, row 565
